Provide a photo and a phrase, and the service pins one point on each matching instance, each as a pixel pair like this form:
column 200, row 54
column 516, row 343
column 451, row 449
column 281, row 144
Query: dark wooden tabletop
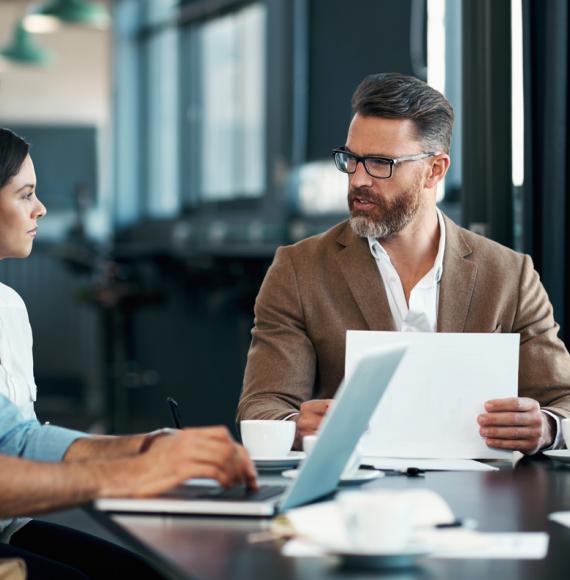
column 509, row 500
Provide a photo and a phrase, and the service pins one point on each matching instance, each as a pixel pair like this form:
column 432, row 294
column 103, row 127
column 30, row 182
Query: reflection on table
column 509, row 500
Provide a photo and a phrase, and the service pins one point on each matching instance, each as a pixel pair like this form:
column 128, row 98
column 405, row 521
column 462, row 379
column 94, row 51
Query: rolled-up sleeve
column 30, row 439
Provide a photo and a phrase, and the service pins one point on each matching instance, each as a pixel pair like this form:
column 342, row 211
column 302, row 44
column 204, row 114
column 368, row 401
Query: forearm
column 265, row 407
column 104, row 447
column 544, row 362
column 29, row 487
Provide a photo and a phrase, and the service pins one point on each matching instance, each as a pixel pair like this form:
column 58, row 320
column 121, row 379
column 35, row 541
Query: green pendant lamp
column 81, row 12
column 23, row 48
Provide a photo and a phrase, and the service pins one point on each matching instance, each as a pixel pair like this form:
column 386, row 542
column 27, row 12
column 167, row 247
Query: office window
column 162, row 114
column 517, row 123
column 228, row 106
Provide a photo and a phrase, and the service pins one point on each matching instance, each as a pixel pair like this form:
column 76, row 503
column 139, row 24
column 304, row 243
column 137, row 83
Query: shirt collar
column 379, row 252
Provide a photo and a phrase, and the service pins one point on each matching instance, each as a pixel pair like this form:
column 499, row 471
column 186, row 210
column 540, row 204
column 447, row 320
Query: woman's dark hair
column 397, row 96
column 13, row 151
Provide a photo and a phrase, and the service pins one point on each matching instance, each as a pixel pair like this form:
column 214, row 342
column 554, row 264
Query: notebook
column 319, row 475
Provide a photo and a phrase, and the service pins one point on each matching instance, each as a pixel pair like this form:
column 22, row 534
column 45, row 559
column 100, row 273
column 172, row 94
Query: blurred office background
column 179, row 143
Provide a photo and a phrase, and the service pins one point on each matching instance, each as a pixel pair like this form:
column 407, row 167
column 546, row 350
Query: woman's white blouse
column 16, row 359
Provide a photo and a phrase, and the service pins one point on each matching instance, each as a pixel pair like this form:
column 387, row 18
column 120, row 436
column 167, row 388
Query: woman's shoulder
column 10, row 298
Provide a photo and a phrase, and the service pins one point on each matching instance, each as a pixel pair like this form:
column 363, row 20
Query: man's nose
column 360, row 176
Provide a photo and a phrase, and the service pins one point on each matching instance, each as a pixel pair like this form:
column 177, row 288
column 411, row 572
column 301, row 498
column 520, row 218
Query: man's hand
column 516, row 423
column 309, row 418
column 208, row 452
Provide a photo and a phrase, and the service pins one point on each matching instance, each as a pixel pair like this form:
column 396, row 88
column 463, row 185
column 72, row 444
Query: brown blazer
column 321, row 287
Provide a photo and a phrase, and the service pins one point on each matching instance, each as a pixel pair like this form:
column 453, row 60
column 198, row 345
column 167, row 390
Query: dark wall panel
column 347, row 41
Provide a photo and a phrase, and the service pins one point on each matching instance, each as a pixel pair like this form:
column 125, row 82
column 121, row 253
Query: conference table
column 518, row 498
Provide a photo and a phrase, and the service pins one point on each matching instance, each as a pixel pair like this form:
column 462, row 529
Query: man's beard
column 390, row 217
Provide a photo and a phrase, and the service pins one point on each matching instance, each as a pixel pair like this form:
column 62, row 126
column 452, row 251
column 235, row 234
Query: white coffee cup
column 352, row 464
column 376, row 522
column 267, row 439
column 566, row 431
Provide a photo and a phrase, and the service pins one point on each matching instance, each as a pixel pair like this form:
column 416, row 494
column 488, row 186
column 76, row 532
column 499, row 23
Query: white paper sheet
column 562, row 518
column 427, row 464
column 496, row 546
column 458, row 545
column 431, row 405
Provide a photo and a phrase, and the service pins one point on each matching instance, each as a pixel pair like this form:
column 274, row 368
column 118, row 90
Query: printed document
column 430, row 407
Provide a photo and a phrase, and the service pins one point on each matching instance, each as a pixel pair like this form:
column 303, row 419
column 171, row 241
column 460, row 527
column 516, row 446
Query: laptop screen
column 355, row 402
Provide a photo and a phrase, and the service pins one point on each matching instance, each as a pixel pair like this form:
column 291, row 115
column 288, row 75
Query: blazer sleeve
column 544, row 365
column 280, row 370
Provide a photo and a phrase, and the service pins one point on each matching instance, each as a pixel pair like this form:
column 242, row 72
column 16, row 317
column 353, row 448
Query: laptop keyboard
column 237, row 493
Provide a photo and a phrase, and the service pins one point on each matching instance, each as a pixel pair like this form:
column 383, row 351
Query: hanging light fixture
column 81, row 12
column 40, row 23
column 23, row 49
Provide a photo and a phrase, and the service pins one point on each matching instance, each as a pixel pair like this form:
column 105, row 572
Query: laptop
column 319, row 474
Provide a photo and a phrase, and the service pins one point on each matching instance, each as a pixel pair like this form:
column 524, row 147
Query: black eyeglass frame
column 391, row 161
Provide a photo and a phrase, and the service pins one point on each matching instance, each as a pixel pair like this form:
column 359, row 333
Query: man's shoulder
column 482, row 249
column 318, row 243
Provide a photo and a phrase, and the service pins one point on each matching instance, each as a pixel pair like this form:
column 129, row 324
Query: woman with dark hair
column 51, row 467
column 20, row 210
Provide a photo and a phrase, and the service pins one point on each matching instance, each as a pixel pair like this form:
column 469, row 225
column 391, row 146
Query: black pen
column 174, row 412
column 458, row 523
column 410, row 471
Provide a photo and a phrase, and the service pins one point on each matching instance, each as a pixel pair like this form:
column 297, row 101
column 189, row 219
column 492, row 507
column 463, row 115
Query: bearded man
column 399, row 264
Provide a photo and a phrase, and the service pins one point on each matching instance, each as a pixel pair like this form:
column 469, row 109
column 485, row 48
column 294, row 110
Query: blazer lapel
column 363, row 278
column 457, row 281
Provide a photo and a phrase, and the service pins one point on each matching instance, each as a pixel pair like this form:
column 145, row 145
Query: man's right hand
column 208, row 452
column 309, row 418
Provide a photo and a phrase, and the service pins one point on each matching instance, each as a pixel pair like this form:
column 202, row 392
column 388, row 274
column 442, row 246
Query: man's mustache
column 363, row 195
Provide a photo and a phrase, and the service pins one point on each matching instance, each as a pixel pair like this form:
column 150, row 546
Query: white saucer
column 405, row 558
column 290, row 460
column 559, row 454
column 360, row 476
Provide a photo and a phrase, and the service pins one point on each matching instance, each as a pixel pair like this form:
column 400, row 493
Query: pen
column 174, row 412
column 459, row 523
column 410, row 471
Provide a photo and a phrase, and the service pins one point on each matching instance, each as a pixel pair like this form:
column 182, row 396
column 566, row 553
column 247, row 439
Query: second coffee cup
column 352, row 464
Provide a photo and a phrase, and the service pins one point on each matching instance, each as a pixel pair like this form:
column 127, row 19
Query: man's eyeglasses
column 378, row 167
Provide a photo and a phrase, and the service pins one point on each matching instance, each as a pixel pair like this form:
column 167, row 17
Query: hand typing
column 208, row 452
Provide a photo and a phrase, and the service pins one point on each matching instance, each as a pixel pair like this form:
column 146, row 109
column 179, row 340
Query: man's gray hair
column 397, row 96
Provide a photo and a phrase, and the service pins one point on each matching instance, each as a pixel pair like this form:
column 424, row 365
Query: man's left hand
column 517, row 424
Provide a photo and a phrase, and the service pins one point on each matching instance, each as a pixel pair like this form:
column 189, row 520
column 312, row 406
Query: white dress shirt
column 16, row 359
column 421, row 313
column 16, row 371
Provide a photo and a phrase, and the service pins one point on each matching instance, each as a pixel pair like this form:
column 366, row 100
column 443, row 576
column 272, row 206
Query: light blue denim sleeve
column 30, row 439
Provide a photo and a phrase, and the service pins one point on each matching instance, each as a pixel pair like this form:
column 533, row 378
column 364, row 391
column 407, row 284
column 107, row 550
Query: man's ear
column 438, row 168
